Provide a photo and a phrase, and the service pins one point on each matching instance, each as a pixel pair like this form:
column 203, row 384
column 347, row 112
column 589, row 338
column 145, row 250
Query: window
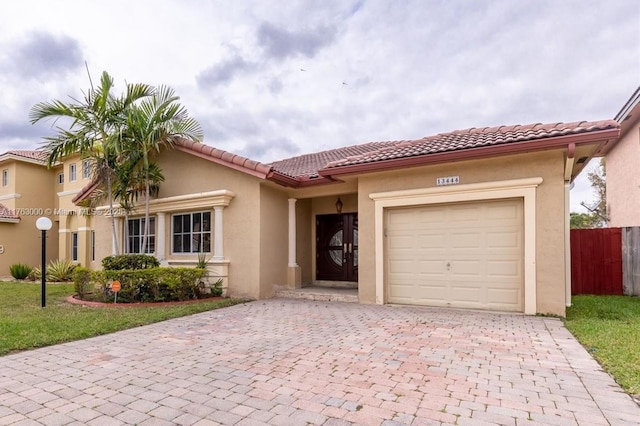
column 60, row 178
column 93, row 245
column 74, row 246
column 72, row 172
column 86, row 169
column 5, row 177
column 191, row 233
column 135, row 231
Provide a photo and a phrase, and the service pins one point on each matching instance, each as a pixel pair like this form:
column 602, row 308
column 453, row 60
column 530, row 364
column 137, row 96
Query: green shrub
column 60, row 270
column 57, row 270
column 129, row 261
column 20, row 271
column 82, row 281
column 151, row 285
column 216, row 289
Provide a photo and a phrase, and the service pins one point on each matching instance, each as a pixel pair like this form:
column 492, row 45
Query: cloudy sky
column 274, row 79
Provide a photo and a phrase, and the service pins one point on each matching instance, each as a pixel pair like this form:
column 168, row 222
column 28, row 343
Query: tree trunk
column 146, row 215
column 113, row 217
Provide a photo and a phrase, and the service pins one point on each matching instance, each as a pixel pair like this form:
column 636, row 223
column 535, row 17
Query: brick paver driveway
column 293, row 362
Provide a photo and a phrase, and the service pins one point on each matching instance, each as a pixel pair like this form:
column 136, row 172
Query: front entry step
column 336, row 284
column 320, row 293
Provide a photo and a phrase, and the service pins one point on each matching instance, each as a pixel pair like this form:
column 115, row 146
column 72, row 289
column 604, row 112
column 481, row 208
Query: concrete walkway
column 296, row 362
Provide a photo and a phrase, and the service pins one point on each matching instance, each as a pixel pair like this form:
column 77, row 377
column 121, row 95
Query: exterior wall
column 30, row 193
column 241, row 221
column 7, row 192
column 550, row 214
column 623, row 180
column 241, row 217
column 274, row 212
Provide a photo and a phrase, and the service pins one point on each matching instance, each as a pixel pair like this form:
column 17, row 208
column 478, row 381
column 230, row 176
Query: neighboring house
column 27, row 190
column 623, row 179
column 473, row 219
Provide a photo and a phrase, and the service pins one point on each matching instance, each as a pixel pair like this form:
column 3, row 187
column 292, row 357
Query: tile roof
column 308, row 165
column 5, row 213
column 461, row 140
column 224, row 157
column 29, row 154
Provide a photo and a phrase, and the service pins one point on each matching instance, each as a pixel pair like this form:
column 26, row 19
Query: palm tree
column 131, row 184
column 152, row 124
column 96, row 126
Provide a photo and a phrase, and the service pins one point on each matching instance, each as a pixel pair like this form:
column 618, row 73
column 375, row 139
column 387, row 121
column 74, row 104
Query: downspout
column 568, row 167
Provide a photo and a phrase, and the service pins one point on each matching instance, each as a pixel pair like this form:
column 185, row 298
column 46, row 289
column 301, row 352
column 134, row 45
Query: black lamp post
column 44, row 224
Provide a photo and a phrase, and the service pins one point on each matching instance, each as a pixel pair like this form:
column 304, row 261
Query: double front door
column 337, row 247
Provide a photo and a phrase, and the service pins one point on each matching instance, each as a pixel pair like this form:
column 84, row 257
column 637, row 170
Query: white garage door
column 456, row 255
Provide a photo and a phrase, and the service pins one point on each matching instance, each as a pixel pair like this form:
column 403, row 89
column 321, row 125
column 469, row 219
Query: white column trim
column 218, row 237
column 160, row 236
column 517, row 188
column 292, row 233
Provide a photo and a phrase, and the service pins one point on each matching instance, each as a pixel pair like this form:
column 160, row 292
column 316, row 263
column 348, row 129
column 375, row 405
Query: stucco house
column 27, row 191
column 623, row 179
column 477, row 218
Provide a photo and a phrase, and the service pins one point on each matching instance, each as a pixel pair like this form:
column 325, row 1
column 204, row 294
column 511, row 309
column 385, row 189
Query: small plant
column 20, row 271
column 60, row 270
column 216, row 288
column 202, row 261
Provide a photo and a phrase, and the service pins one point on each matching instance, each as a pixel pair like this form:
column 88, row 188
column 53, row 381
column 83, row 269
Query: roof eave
column 10, row 219
column 260, row 172
column 605, row 137
column 9, row 156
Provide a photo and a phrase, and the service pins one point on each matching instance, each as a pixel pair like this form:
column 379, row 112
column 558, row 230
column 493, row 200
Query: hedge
column 129, row 261
column 144, row 285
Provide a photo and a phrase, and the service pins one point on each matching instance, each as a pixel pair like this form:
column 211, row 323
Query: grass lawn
column 25, row 325
column 609, row 328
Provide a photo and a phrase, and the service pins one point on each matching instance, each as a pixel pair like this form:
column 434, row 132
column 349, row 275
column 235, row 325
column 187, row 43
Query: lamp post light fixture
column 44, row 224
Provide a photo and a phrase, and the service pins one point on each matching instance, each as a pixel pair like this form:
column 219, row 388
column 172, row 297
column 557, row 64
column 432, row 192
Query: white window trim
column 61, row 178
column 73, row 172
column 211, row 232
column 517, row 188
column 5, row 177
column 86, row 169
column 151, row 229
column 75, row 236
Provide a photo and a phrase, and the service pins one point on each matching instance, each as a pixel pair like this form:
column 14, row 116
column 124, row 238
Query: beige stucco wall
column 274, row 228
column 185, row 174
column 623, row 180
column 34, row 197
column 550, row 213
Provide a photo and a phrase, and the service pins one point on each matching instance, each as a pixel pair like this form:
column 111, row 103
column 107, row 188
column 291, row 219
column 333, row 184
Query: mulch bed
column 75, row 301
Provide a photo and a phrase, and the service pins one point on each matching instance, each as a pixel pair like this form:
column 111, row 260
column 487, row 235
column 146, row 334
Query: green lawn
column 609, row 328
column 26, row 325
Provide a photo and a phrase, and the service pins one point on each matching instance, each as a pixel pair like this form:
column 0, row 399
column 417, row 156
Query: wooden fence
column 605, row 261
column 631, row 261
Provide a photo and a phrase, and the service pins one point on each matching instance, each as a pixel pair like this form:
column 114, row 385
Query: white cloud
column 374, row 70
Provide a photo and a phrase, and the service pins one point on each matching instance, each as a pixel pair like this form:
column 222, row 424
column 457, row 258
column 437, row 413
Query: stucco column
column 218, row 237
column 114, row 243
column 292, row 233
column 160, row 236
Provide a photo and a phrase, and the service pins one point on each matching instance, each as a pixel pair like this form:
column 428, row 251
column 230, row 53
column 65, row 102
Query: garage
column 464, row 255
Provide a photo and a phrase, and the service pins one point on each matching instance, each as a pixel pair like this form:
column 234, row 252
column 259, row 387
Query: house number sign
column 448, row 180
